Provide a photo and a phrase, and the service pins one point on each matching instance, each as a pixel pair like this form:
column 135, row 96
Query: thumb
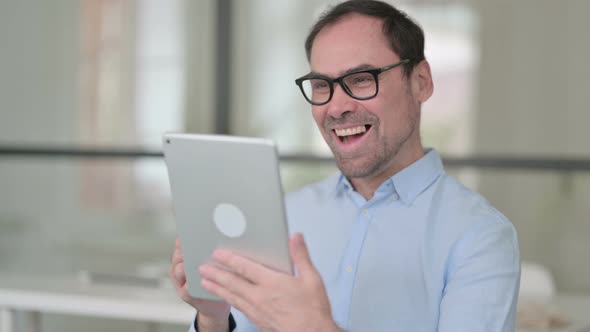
column 300, row 256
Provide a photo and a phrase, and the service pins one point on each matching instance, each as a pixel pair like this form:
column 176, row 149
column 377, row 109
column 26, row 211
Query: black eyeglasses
column 361, row 85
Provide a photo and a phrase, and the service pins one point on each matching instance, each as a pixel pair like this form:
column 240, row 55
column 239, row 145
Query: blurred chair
column 536, row 284
column 537, row 291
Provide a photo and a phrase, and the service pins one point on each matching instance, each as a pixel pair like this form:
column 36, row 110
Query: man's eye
column 361, row 79
column 320, row 85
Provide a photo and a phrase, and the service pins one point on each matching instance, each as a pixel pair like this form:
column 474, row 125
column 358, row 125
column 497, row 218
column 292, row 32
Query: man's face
column 391, row 119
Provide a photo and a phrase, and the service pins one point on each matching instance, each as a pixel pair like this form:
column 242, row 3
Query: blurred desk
column 71, row 296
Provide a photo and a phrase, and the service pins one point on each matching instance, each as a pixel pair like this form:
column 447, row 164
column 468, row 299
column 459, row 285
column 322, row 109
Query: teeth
column 350, row 131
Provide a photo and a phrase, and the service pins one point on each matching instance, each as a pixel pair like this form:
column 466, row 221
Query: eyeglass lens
column 359, row 85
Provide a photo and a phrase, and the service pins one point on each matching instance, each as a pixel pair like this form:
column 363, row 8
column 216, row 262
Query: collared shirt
column 423, row 254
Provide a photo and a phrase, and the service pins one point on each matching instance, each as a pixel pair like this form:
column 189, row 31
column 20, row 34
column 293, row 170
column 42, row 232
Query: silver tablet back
column 226, row 192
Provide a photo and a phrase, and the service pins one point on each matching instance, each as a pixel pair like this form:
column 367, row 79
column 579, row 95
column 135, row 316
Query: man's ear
column 422, row 86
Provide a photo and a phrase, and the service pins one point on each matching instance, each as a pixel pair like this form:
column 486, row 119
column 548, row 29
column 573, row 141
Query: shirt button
column 394, row 197
column 349, row 269
column 364, row 212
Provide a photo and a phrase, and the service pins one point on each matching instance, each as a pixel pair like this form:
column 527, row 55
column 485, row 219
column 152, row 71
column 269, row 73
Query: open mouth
column 352, row 134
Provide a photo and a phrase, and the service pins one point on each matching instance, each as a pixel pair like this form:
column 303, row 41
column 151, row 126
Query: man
column 394, row 243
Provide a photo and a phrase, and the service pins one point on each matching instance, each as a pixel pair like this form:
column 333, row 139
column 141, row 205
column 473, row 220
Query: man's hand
column 213, row 315
column 272, row 300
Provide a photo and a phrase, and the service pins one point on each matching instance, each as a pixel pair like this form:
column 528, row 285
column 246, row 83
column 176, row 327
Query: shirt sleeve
column 195, row 328
column 482, row 280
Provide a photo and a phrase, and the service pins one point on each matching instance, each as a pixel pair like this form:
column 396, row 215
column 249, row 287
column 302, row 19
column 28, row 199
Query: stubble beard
column 372, row 163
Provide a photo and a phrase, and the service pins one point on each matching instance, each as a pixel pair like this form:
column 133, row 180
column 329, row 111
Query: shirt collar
column 409, row 182
column 342, row 184
column 414, row 179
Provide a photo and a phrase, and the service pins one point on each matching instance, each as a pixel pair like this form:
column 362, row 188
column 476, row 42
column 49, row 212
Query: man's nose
column 340, row 103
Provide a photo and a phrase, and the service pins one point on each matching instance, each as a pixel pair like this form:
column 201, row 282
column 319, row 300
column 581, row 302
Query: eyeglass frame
column 340, row 80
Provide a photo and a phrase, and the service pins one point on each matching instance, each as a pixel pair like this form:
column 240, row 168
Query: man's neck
column 368, row 185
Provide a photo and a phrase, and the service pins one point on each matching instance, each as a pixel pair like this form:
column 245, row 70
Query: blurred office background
column 111, row 76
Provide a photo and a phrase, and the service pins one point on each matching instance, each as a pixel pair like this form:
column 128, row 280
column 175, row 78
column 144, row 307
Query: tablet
column 226, row 192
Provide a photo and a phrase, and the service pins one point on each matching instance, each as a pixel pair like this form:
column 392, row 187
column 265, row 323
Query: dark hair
column 405, row 36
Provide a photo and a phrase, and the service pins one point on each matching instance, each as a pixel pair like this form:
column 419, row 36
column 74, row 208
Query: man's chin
column 354, row 168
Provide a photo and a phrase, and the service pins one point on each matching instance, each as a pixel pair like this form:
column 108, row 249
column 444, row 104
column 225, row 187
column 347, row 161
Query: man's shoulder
column 463, row 209
column 462, row 222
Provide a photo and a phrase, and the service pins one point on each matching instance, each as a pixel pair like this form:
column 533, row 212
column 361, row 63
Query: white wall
column 533, row 92
column 42, row 227
column 39, row 105
column 40, row 63
column 200, row 60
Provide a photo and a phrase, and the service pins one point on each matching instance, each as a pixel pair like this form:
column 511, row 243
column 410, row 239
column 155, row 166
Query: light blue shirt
column 424, row 254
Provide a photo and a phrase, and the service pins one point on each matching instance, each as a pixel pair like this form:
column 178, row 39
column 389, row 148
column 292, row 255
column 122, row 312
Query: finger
column 228, row 280
column 300, row 256
column 242, row 266
column 178, row 277
column 177, row 257
column 174, row 279
column 177, row 245
column 177, row 254
column 178, row 274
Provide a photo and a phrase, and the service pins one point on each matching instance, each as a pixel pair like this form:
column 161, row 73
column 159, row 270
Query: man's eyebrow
column 347, row 71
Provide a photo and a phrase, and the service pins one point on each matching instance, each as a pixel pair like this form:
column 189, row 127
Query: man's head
column 404, row 36
column 364, row 35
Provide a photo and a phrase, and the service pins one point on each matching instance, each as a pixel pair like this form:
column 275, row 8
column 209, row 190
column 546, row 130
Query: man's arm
column 483, row 277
